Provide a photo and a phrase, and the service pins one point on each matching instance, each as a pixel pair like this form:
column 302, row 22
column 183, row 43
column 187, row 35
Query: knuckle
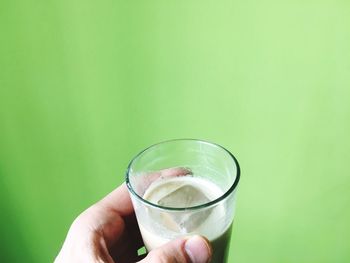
column 158, row 256
column 161, row 256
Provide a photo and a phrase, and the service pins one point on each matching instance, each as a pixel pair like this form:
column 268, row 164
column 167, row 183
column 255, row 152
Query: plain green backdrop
column 85, row 85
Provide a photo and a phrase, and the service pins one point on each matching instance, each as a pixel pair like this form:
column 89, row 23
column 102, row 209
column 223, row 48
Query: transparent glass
column 184, row 187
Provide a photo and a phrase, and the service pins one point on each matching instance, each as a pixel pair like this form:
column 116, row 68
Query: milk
column 162, row 226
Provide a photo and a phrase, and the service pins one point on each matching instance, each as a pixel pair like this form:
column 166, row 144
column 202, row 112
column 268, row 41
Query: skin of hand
column 107, row 232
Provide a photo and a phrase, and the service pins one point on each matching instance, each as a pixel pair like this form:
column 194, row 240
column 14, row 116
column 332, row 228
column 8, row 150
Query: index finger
column 119, row 201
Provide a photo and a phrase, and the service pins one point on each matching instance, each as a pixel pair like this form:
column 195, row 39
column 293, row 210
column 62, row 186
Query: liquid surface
column 183, row 192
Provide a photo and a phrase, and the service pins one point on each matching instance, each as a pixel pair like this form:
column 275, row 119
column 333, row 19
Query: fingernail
column 198, row 249
column 188, row 171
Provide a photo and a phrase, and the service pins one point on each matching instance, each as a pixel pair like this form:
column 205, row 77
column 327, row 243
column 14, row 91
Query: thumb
column 195, row 249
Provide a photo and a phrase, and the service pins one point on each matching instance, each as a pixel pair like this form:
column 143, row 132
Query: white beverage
column 159, row 226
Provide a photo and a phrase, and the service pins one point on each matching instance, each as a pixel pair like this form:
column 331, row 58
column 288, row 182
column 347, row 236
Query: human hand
column 107, row 232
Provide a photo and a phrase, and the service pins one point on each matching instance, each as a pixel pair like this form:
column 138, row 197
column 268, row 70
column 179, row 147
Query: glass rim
column 205, row 205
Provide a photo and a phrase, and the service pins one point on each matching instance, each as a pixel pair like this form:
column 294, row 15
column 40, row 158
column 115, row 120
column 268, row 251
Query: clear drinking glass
column 184, row 187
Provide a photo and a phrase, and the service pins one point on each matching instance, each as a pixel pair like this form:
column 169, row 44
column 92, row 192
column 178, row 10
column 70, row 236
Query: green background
column 85, row 85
